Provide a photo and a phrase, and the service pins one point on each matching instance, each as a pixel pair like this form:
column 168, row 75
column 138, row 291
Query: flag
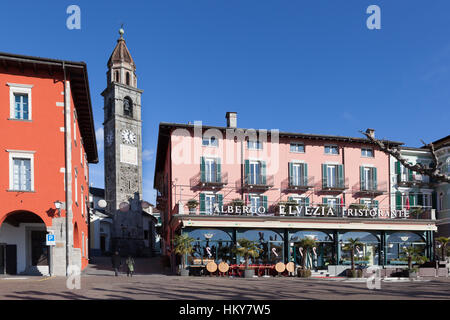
column 407, row 203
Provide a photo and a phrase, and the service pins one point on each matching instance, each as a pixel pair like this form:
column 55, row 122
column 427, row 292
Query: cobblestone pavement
column 158, row 286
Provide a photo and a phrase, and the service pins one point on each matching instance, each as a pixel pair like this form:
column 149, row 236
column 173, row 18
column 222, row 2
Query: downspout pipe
column 66, row 171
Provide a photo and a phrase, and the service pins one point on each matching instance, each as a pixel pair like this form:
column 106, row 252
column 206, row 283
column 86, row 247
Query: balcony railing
column 256, row 182
column 335, row 185
column 370, row 187
column 297, row 185
column 414, row 179
column 214, row 180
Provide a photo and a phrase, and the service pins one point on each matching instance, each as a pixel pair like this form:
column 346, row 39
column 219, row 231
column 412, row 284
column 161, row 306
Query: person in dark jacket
column 116, row 263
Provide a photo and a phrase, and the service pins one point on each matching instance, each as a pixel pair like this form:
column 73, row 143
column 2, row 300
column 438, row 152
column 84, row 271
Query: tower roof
column 121, row 53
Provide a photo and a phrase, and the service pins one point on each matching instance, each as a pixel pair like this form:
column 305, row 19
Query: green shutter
column 412, row 200
column 305, row 174
column 247, row 171
column 325, row 201
column 398, row 200
column 397, row 167
column 291, row 178
column 219, row 199
column 410, row 175
column 263, row 172
column 362, row 178
column 202, row 169
column 375, row 204
column 374, row 177
column 307, row 201
column 219, row 170
column 341, row 175
column 264, row 201
column 202, row 203
column 290, row 199
column 324, row 175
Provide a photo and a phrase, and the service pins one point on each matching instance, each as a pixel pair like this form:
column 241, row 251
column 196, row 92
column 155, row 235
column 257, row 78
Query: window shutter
column 362, row 178
column 305, row 174
column 263, row 172
column 375, row 204
column 220, row 200
column 264, row 201
column 291, row 171
column 412, row 200
column 324, row 176
column 420, row 200
column 410, row 175
column 325, row 201
column 202, row 203
column 307, row 202
column 434, row 200
column 290, row 199
column 341, row 175
column 202, row 169
column 246, row 171
column 398, row 200
column 219, row 170
column 374, row 177
column 397, row 167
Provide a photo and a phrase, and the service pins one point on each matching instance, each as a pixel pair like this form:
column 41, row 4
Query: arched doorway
column 210, row 245
column 270, row 243
column 367, row 253
column 322, row 254
column 23, row 248
column 76, row 236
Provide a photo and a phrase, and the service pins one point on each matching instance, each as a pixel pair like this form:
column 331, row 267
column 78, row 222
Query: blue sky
column 298, row 66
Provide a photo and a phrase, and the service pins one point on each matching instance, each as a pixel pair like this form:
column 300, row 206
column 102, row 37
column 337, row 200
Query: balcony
column 411, row 180
column 333, row 185
column 213, row 181
column 370, row 188
column 291, row 186
column 256, row 182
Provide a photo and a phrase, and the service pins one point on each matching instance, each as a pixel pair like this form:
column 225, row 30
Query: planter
column 193, row 210
column 249, row 273
column 354, row 273
column 184, row 272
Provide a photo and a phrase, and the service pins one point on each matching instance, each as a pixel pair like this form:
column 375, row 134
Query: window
column 254, row 145
column 209, row 201
column 255, row 172
column 76, row 186
column 128, row 78
column 298, row 174
column 82, row 201
column 210, row 170
column 21, row 171
column 367, row 152
column 116, row 76
column 333, row 176
column 127, row 107
column 20, row 101
column 75, row 127
column 256, row 202
column 331, row 149
column 210, row 141
column 297, row 147
column 368, row 178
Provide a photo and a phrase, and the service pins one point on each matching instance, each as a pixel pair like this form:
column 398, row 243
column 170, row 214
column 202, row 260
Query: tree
column 247, row 249
column 432, row 171
column 307, row 244
column 351, row 246
column 443, row 241
column 183, row 245
column 413, row 254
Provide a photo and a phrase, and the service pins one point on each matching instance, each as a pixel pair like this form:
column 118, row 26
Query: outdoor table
column 199, row 269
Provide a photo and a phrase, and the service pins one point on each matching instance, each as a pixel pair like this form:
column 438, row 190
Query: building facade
column 123, row 151
column 277, row 188
column 48, row 144
column 442, row 190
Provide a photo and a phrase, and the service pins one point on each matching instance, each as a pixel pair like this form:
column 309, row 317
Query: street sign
column 50, row 240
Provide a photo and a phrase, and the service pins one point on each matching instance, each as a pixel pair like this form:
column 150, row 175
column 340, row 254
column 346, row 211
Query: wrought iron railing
column 370, row 187
column 301, row 184
column 213, row 180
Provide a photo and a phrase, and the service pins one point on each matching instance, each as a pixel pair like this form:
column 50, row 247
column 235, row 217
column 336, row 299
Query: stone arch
column 127, row 107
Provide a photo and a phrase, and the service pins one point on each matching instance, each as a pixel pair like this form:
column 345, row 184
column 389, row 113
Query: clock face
column 128, row 136
column 109, row 139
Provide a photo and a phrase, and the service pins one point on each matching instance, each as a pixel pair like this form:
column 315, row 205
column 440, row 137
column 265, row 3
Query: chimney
column 231, row 119
column 371, row 132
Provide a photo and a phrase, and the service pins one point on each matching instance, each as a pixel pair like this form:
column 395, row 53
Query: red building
column 48, row 140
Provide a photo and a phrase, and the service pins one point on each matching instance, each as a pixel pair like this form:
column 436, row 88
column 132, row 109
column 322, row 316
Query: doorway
column 39, row 249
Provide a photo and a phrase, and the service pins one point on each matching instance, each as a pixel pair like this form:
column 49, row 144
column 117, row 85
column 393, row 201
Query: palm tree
column 247, row 249
column 183, row 246
column 443, row 241
column 307, row 244
column 413, row 254
column 351, row 246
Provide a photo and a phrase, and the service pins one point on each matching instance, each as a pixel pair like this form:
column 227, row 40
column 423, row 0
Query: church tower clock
column 123, row 150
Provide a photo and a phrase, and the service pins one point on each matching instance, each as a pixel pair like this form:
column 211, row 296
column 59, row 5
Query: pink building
column 219, row 184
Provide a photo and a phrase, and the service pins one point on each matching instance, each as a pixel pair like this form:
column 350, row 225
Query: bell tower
column 123, row 150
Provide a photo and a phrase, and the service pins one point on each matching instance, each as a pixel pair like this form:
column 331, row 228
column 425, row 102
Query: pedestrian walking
column 130, row 266
column 116, row 262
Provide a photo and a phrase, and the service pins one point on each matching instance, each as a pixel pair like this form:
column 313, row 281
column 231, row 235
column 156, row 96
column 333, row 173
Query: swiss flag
column 407, row 203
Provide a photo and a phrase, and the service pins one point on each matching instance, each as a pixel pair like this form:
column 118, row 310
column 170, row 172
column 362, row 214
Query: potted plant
column 351, row 246
column 307, row 244
column 413, row 254
column 192, row 205
column 247, row 249
column 417, row 212
column 443, row 241
column 183, row 246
